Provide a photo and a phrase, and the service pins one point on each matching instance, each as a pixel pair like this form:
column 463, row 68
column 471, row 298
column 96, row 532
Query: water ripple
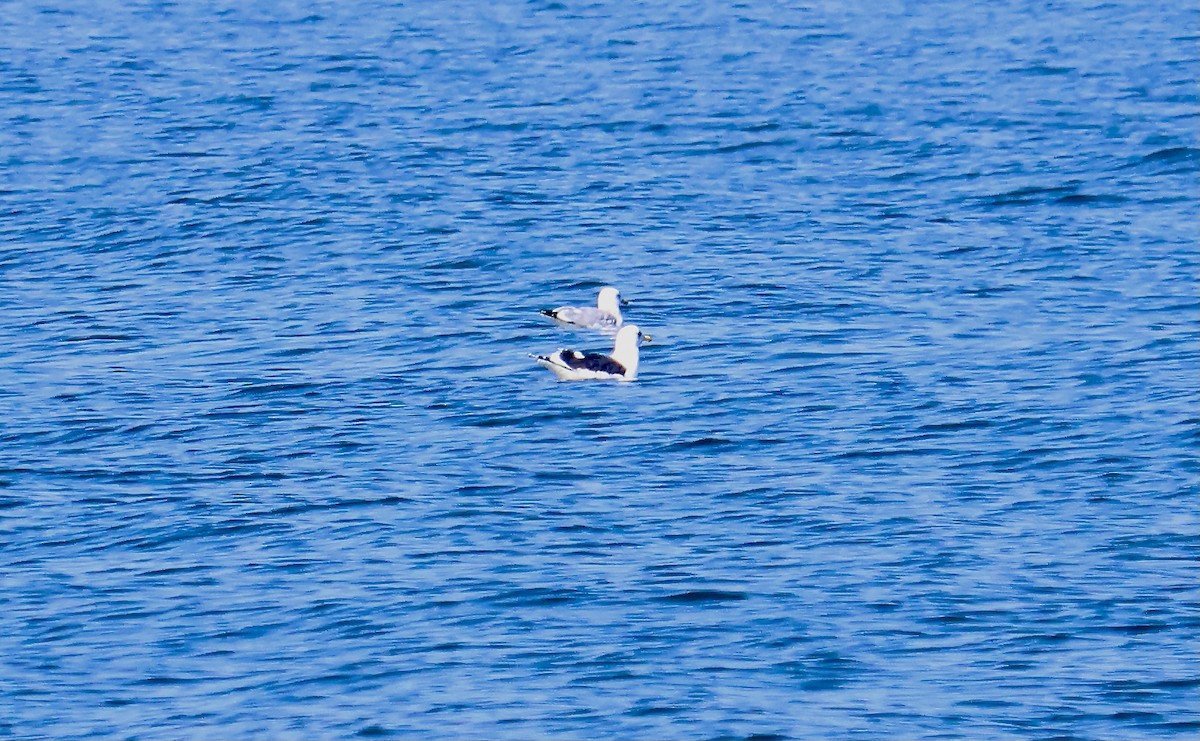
column 913, row 452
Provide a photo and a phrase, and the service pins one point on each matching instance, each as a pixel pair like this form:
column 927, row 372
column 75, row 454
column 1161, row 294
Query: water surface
column 913, row 453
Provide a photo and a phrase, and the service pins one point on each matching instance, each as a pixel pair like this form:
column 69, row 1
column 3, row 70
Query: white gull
column 605, row 315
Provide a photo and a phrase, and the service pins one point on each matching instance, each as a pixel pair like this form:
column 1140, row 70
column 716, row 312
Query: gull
column 621, row 365
column 605, row 315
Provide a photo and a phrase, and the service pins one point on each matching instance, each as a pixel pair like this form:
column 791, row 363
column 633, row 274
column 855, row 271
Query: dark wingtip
column 548, row 313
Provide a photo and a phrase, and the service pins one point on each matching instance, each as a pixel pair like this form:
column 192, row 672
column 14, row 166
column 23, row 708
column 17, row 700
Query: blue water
column 914, row 452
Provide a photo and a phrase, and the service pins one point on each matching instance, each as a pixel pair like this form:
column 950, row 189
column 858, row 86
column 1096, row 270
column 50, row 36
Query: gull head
column 609, row 300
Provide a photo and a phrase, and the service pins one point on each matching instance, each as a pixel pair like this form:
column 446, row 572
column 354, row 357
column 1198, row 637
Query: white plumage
column 605, row 315
column 622, row 365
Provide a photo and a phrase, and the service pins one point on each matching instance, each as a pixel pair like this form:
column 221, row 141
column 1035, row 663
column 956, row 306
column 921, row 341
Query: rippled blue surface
column 913, row 454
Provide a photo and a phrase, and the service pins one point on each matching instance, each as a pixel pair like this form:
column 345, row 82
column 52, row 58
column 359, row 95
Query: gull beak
column 645, row 337
column 624, row 302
